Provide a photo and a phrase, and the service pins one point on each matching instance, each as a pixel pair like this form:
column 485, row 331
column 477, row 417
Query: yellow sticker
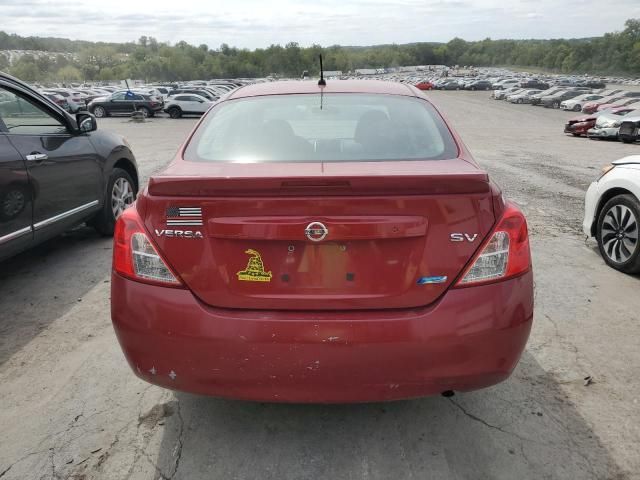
column 255, row 269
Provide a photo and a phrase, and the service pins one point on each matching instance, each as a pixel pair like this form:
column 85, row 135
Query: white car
column 575, row 104
column 186, row 104
column 612, row 214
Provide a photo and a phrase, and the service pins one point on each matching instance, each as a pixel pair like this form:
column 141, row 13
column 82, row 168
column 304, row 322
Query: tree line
column 150, row 60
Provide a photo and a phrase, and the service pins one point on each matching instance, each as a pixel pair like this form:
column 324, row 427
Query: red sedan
column 425, row 85
column 322, row 244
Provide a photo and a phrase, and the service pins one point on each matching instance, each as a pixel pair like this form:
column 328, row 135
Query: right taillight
column 135, row 257
column 504, row 255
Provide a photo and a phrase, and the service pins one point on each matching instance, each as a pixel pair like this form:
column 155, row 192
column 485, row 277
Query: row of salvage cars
column 607, row 114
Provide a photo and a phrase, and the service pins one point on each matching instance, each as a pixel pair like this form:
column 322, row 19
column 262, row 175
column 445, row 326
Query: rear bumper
column 471, row 338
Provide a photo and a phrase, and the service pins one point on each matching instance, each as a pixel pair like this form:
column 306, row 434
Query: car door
column 191, row 104
column 118, row 104
column 62, row 165
column 15, row 198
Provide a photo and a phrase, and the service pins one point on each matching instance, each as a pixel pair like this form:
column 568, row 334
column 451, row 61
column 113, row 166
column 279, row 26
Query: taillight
column 135, row 257
column 504, row 255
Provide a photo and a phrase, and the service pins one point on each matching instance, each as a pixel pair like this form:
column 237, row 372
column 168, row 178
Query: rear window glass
column 331, row 127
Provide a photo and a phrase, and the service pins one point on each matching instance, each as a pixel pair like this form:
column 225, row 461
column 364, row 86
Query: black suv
column 125, row 102
column 56, row 170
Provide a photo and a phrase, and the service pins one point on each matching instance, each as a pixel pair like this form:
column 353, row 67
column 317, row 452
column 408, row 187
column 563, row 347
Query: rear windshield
column 332, row 127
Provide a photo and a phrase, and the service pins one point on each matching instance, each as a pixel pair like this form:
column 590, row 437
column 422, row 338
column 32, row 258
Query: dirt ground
column 71, row 408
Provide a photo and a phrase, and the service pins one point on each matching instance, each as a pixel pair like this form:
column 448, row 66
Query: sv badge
column 461, row 237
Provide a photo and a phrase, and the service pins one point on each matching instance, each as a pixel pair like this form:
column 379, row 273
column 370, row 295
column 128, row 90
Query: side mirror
column 86, row 122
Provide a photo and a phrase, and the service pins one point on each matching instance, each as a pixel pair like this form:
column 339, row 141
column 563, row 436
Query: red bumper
column 471, row 338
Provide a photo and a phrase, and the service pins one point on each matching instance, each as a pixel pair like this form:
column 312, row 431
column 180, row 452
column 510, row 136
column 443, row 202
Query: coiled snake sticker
column 255, row 269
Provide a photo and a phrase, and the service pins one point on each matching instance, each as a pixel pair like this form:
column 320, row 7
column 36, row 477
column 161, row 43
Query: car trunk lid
column 365, row 235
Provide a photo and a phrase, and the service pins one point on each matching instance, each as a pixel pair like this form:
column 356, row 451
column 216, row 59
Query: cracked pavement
column 72, row 409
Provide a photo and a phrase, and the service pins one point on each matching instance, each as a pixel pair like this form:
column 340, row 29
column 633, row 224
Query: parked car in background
column 196, row 91
column 507, row 83
column 575, row 104
column 623, row 102
column 56, row 170
column 607, row 124
column 125, row 103
column 478, row 85
column 612, row 214
column 582, row 124
column 187, row 104
column 253, row 299
column 75, row 100
column 554, row 101
column 523, row 96
column 448, row 84
column 502, row 94
column 537, row 99
column 630, row 129
column 591, row 107
column 424, row 85
column 57, row 99
column 534, row 83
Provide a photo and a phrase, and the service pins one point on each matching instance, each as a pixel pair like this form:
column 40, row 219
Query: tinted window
column 337, row 127
column 21, row 115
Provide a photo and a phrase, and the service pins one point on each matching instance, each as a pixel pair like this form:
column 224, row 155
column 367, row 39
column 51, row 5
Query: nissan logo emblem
column 316, row 231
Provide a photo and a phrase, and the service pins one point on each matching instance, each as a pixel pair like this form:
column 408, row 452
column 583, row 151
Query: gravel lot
column 70, row 407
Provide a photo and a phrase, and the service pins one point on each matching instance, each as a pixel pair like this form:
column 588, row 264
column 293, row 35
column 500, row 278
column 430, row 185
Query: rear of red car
column 322, row 246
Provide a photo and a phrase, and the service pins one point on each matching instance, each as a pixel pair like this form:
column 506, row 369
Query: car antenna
column 322, row 82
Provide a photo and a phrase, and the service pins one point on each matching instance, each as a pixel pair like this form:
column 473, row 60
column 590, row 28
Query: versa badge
column 255, row 269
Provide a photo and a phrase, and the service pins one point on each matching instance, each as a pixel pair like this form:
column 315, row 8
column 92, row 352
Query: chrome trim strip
column 16, row 234
column 62, row 216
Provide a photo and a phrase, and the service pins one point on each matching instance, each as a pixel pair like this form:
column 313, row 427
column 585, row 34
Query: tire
column 556, row 105
column 626, row 140
column 145, row 112
column 519, row 101
column 13, row 201
column 174, row 112
column 99, row 112
column 105, row 220
column 473, row 89
column 577, row 108
column 618, row 233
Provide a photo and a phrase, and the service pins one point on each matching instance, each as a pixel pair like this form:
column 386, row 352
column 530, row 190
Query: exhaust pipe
column 448, row 393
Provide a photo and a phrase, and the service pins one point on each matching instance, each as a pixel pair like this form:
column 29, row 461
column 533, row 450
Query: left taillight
column 504, row 255
column 135, row 256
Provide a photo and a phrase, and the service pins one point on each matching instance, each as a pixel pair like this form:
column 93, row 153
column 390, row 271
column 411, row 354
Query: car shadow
column 41, row 284
column 525, row 428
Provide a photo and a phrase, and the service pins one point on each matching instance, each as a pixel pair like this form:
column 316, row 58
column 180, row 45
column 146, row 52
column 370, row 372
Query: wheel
column 618, row 233
column 99, row 112
column 119, row 195
column 473, row 88
column 577, row 108
column 13, row 202
column 519, row 100
column 626, row 140
column 174, row 112
column 145, row 112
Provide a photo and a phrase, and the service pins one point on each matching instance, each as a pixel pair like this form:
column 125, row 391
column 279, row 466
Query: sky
column 260, row 23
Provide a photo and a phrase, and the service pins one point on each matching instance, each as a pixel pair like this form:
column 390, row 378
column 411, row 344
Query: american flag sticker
column 184, row 217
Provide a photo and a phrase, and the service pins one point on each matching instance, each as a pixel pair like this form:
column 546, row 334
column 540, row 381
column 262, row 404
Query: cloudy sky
column 259, row 23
